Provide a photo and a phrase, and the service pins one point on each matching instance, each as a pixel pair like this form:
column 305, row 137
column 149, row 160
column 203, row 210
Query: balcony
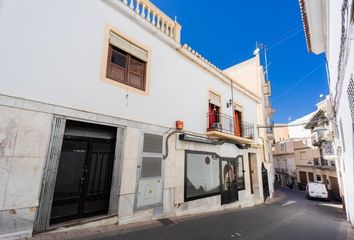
column 284, row 171
column 320, row 135
column 323, row 163
column 226, row 127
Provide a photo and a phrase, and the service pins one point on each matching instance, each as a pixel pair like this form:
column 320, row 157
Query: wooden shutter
column 136, row 73
column 117, row 65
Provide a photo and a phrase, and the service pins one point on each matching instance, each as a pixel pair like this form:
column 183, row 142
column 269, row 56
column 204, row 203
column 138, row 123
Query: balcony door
column 237, row 119
column 213, row 115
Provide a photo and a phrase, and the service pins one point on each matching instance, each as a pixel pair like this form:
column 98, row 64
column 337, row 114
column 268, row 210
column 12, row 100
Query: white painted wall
column 345, row 164
column 298, row 131
column 52, row 53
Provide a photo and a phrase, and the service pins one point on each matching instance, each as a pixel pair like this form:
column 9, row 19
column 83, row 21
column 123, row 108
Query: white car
column 316, row 190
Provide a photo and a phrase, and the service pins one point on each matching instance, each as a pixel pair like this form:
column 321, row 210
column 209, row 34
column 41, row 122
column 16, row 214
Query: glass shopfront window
column 201, row 175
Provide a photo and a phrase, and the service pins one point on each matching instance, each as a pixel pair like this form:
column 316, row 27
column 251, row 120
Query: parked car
column 316, row 190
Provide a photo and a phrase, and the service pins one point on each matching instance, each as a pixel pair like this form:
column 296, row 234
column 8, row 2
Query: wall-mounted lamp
column 229, row 103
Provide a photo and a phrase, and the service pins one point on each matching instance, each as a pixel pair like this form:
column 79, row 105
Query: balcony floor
column 221, row 135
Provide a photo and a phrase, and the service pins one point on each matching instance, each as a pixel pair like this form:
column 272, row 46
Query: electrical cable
column 297, row 83
column 280, row 40
column 294, row 125
column 283, row 40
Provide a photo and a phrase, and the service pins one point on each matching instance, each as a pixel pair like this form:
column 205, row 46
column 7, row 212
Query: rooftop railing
column 156, row 17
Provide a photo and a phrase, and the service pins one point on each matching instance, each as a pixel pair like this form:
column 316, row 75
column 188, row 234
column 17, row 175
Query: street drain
column 166, row 221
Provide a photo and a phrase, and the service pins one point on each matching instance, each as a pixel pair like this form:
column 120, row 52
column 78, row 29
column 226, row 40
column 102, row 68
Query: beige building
column 280, row 132
column 302, row 156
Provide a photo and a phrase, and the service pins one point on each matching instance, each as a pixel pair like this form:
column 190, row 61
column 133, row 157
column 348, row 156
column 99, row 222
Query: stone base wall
column 25, row 128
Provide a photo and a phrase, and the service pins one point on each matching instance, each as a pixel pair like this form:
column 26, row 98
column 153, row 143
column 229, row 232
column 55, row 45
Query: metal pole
column 266, row 62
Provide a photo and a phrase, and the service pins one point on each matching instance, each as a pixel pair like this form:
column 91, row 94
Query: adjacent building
column 308, row 155
column 106, row 118
column 329, row 28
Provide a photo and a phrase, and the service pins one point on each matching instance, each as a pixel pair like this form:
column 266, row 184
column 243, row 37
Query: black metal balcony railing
column 270, row 130
column 324, row 162
column 227, row 124
column 282, row 170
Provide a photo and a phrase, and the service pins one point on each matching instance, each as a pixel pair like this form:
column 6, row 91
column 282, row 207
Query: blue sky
column 225, row 32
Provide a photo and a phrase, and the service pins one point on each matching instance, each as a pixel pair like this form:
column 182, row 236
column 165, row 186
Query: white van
column 316, row 190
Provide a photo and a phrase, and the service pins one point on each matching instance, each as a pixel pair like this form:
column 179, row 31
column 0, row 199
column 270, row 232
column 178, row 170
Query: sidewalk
column 111, row 230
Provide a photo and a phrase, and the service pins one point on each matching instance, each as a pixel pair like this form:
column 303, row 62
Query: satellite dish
column 256, row 51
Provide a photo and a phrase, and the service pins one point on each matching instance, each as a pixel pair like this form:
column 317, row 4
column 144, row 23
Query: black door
column 229, row 191
column 265, row 182
column 84, row 177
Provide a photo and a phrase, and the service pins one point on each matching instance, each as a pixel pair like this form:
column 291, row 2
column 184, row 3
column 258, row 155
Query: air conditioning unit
column 217, row 126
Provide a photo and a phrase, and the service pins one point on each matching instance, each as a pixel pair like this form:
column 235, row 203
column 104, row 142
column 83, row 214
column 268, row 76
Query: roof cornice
column 305, row 24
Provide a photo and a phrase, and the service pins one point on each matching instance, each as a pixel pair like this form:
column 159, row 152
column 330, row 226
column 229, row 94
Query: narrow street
column 292, row 216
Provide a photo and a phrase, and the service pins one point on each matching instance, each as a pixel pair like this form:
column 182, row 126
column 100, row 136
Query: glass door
column 229, row 191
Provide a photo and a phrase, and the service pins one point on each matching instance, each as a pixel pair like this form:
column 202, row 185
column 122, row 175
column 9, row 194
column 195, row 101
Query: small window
column 318, row 178
column 126, row 62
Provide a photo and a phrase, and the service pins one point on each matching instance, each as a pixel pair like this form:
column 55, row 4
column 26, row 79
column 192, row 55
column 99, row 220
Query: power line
column 284, row 39
column 294, row 31
column 297, row 83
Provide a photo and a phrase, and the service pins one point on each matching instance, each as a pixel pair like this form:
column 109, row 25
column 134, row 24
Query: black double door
column 84, row 178
column 265, row 182
column 229, row 189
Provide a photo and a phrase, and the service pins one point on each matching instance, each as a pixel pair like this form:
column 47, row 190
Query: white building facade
column 329, row 28
column 106, row 118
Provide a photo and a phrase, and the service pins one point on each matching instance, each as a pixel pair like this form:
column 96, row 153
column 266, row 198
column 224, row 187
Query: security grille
column 327, row 148
column 350, row 92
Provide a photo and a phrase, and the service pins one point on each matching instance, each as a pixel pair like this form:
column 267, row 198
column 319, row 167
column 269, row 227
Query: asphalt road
column 291, row 217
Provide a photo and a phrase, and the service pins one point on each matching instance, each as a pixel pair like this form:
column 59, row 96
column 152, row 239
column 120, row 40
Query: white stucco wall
column 51, row 52
column 345, row 163
column 60, row 50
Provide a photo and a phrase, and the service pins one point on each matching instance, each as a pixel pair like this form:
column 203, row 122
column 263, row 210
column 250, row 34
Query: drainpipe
column 264, row 157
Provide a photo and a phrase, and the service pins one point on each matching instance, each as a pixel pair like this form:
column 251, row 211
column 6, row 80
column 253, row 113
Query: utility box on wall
column 150, row 181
